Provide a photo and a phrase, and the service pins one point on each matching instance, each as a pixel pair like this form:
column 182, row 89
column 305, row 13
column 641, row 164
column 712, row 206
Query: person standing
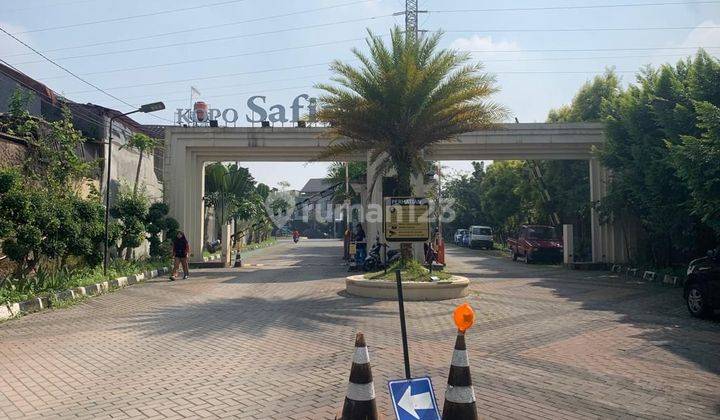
column 180, row 252
column 360, row 244
column 347, row 237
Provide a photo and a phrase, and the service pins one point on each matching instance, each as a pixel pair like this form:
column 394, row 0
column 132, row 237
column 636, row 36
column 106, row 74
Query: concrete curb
column 456, row 287
column 646, row 276
column 11, row 310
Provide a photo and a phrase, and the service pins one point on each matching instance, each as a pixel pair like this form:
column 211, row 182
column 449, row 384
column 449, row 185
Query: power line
column 219, row 76
column 656, row 28
column 372, row 18
column 199, row 28
column 222, row 57
column 205, row 89
column 224, row 38
column 593, row 49
column 47, row 6
column 73, row 74
column 600, row 6
column 512, row 72
column 314, row 77
column 123, row 18
column 326, row 63
column 76, row 112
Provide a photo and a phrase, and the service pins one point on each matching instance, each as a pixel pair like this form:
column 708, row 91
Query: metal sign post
column 403, row 329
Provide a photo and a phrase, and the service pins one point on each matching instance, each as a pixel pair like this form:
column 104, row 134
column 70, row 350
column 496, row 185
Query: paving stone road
column 276, row 341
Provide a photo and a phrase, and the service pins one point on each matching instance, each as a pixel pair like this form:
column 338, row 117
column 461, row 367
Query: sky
column 540, row 51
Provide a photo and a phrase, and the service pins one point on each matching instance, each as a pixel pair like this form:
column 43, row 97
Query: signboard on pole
column 406, row 219
column 413, row 399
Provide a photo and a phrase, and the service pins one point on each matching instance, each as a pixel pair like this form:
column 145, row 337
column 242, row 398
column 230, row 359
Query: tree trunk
column 137, row 174
column 404, row 189
column 403, row 177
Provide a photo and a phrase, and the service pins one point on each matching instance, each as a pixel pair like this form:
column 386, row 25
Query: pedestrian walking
column 180, row 251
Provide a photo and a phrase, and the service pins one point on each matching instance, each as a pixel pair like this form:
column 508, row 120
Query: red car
column 537, row 243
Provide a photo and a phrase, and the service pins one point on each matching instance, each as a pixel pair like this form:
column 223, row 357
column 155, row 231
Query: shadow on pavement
column 253, row 316
column 658, row 311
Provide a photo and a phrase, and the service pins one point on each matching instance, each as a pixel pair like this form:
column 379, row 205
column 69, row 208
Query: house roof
column 50, row 96
column 29, row 83
column 316, row 185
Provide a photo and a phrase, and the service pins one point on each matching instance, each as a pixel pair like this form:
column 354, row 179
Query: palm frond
column 405, row 96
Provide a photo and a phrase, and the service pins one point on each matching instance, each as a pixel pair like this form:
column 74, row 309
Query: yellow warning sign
column 406, row 219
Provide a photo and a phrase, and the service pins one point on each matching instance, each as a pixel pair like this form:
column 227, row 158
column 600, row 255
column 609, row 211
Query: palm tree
column 336, row 176
column 142, row 143
column 230, row 190
column 403, row 99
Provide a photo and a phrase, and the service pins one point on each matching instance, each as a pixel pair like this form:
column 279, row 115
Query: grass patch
column 44, row 282
column 411, row 271
column 62, row 304
column 264, row 244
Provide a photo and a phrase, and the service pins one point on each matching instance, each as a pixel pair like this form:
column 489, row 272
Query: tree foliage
column 404, row 98
column 131, row 211
column 39, row 226
column 44, row 221
column 232, row 192
column 161, row 229
column 143, row 144
column 505, row 195
column 336, row 176
column 655, row 130
column 697, row 161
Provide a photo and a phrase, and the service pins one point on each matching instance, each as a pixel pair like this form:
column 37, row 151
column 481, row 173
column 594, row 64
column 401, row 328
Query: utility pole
column 411, row 18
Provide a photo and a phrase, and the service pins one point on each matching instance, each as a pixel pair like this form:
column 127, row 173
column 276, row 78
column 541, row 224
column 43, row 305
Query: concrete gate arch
column 188, row 149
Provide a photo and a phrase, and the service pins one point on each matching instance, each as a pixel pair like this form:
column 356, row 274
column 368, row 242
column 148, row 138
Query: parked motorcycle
column 374, row 261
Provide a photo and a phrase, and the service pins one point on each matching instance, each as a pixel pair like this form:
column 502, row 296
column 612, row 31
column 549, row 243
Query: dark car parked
column 702, row 287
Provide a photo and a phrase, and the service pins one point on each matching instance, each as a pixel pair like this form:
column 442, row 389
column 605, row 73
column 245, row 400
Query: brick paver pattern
column 276, row 341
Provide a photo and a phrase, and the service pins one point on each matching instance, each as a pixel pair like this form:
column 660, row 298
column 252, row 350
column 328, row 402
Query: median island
column 409, row 271
column 417, row 283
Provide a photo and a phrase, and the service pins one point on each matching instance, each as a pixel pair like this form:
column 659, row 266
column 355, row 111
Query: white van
column 481, row 236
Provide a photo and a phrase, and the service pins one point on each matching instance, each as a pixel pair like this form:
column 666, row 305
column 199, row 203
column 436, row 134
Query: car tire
column 697, row 302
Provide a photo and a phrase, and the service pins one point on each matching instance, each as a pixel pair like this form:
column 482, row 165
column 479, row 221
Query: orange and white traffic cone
column 360, row 397
column 460, row 395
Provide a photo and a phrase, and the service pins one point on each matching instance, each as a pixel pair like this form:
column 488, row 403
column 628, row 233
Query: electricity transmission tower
column 411, row 18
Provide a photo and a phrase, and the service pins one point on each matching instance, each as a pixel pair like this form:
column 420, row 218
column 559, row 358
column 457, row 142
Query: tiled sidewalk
column 276, row 341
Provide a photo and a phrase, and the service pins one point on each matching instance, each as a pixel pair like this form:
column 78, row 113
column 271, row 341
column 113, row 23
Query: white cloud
column 483, row 45
column 700, row 37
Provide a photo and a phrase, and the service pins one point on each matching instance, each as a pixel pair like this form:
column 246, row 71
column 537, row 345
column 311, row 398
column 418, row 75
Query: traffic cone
column 360, row 397
column 460, row 395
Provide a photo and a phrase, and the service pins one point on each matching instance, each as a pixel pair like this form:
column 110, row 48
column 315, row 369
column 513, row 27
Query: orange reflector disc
column 464, row 317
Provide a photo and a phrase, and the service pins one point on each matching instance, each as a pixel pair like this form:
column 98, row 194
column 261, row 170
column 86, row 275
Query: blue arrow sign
column 413, row 399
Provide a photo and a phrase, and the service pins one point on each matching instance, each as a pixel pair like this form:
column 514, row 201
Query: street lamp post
column 156, row 106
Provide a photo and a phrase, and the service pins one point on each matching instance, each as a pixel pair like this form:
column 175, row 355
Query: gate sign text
column 258, row 112
column 406, row 219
